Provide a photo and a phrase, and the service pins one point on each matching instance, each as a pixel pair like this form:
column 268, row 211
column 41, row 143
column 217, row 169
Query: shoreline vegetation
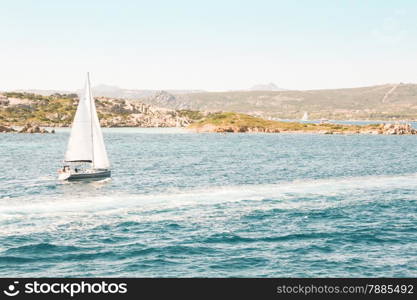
column 31, row 112
column 58, row 110
column 240, row 123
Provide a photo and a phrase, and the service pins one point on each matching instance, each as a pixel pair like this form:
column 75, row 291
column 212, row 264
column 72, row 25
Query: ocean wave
column 15, row 260
column 41, row 248
column 179, row 250
column 267, row 192
column 319, row 198
column 239, row 263
column 231, row 238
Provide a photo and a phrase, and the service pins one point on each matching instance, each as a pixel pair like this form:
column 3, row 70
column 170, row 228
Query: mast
column 86, row 143
column 91, row 116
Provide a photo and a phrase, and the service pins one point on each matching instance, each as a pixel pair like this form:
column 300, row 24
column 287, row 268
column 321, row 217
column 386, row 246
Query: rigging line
column 91, row 116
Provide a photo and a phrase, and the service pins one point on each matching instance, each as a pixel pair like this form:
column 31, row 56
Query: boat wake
column 40, row 213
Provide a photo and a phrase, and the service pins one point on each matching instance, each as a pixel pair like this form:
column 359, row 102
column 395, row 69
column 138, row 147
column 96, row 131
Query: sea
column 182, row 204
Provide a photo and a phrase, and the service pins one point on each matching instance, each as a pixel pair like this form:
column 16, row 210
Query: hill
column 381, row 102
column 58, row 110
column 111, row 91
column 236, row 122
column 266, row 87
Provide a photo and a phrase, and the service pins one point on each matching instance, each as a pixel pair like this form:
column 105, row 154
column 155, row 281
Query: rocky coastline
column 387, row 129
column 240, row 123
column 17, row 109
column 28, row 128
column 32, row 113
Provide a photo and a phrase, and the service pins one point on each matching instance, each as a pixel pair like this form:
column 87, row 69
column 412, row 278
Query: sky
column 211, row 45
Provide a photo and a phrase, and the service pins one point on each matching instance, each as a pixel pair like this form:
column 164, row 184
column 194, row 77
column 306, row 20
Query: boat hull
column 89, row 176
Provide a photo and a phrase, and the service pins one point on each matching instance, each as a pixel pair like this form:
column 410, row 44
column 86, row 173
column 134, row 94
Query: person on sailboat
column 64, row 169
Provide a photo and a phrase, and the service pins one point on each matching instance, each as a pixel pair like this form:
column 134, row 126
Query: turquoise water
column 210, row 205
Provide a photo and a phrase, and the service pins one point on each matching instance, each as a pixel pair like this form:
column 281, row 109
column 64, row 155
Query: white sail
column 305, row 116
column 80, row 143
column 86, row 141
column 100, row 159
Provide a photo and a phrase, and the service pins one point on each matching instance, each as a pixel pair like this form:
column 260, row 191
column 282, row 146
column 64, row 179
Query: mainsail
column 305, row 116
column 86, row 142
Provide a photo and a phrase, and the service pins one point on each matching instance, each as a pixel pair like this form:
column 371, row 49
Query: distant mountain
column 266, row 87
column 116, row 92
column 168, row 100
column 43, row 92
column 104, row 90
column 380, row 102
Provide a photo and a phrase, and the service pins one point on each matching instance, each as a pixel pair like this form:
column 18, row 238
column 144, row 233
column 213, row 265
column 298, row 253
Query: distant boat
column 305, row 117
column 86, row 156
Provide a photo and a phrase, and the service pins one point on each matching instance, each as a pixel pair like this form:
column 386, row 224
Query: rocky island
column 236, row 122
column 31, row 112
column 58, row 110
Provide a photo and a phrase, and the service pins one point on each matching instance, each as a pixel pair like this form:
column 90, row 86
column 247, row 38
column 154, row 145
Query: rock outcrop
column 163, row 99
column 396, row 129
column 4, row 129
column 388, row 129
column 235, row 122
column 29, row 128
column 58, row 111
column 237, row 129
column 143, row 115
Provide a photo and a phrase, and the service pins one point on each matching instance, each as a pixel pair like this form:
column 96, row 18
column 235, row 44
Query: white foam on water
column 48, row 213
column 211, row 195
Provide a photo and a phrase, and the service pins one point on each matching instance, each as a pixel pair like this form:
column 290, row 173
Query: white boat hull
column 94, row 175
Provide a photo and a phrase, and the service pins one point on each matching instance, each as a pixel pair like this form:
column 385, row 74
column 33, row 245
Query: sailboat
column 86, row 156
column 305, row 116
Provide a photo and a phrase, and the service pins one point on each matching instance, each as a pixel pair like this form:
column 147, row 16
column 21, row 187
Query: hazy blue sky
column 213, row 45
